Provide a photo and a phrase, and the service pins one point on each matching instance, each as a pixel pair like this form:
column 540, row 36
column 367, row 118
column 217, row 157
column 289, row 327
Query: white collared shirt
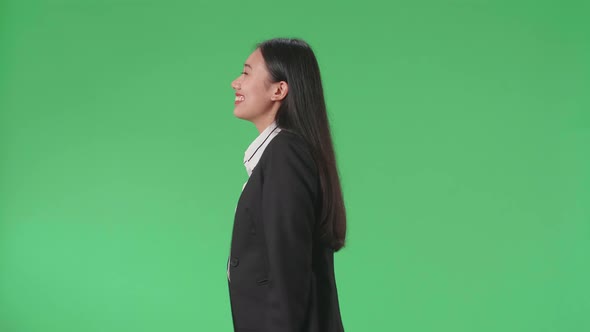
column 253, row 154
column 256, row 148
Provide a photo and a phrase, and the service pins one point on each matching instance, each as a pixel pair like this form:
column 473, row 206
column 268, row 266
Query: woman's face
column 254, row 91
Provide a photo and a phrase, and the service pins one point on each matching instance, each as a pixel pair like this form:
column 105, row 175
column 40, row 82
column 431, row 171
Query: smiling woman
column 290, row 218
column 257, row 98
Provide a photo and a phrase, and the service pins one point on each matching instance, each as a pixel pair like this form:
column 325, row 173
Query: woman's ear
column 280, row 90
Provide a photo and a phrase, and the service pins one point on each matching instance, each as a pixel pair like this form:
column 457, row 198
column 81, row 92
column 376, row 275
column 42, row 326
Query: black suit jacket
column 282, row 277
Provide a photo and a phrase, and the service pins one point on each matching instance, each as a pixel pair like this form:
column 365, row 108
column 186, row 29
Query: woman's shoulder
column 290, row 140
column 287, row 136
column 288, row 144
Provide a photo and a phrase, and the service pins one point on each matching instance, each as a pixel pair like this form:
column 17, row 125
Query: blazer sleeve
column 289, row 191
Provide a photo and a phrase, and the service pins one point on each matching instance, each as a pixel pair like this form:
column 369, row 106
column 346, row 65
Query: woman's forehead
column 254, row 60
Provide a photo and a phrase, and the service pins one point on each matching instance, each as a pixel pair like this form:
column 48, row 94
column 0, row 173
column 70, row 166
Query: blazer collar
column 256, row 148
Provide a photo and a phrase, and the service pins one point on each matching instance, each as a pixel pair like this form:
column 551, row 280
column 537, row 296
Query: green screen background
column 462, row 133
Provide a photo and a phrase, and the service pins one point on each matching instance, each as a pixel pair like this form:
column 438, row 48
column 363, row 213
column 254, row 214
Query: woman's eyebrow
column 247, row 65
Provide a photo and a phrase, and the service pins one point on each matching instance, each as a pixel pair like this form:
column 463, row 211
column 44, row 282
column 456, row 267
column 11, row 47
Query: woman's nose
column 235, row 84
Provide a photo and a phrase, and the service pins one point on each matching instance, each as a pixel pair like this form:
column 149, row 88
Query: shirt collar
column 256, row 148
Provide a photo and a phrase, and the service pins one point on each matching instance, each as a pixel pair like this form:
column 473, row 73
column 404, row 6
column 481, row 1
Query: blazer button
column 234, row 261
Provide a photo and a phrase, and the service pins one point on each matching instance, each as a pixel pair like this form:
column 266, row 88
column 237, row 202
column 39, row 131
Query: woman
column 290, row 218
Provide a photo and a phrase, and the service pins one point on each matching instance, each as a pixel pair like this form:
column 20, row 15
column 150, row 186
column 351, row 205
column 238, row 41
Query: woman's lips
column 239, row 98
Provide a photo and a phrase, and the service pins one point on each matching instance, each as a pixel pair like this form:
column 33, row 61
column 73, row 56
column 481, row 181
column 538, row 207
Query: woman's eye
column 244, row 73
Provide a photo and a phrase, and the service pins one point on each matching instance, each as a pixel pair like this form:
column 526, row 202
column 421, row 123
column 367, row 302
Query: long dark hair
column 303, row 111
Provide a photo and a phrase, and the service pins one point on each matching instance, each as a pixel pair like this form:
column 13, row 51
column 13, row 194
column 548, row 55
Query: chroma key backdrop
column 462, row 134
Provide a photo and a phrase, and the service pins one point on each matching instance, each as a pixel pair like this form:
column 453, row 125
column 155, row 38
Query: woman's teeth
column 240, row 98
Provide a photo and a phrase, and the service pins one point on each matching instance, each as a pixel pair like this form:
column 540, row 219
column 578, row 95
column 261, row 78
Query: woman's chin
column 239, row 114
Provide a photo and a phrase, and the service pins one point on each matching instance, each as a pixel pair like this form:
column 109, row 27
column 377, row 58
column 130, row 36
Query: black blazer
column 281, row 277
